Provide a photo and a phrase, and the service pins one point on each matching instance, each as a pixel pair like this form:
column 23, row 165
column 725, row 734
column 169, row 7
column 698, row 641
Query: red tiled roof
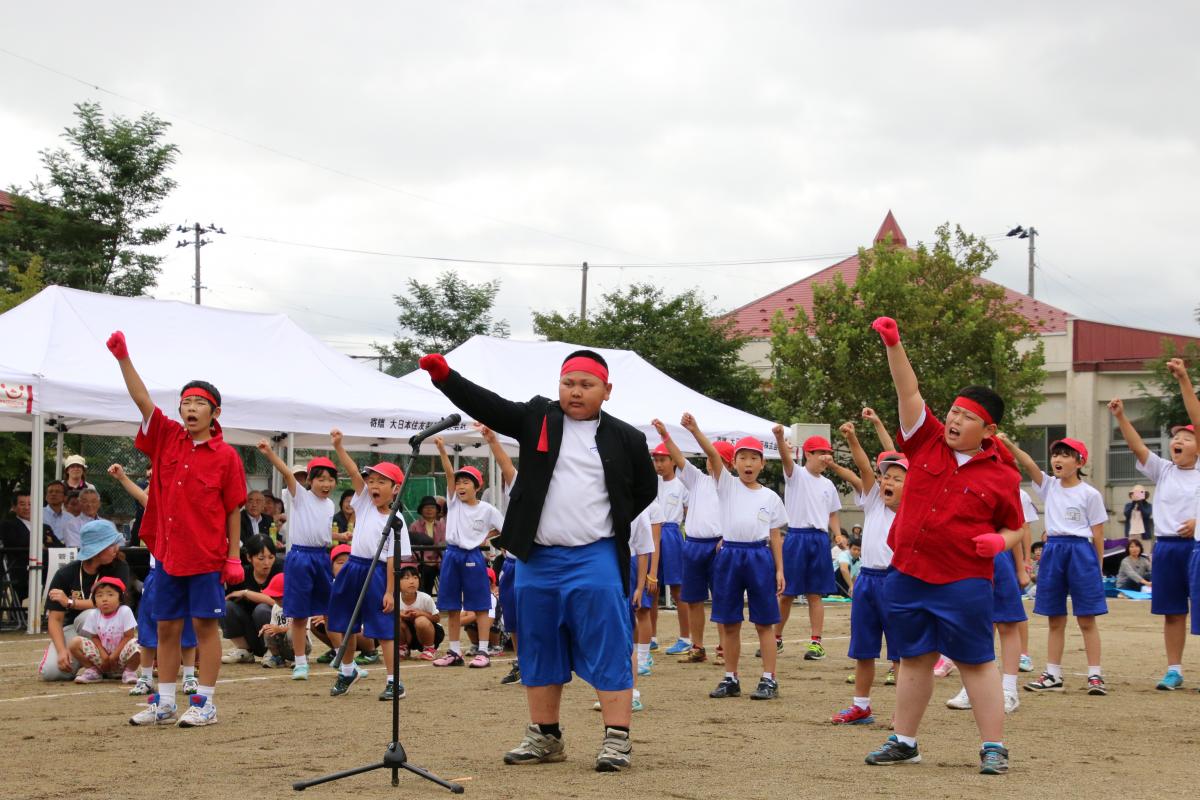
column 1100, row 347
column 6, row 203
column 754, row 318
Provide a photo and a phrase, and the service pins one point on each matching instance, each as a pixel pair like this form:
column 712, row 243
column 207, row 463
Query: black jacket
column 628, row 472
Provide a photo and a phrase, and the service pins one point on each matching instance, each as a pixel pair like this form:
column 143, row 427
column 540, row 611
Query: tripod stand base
column 395, row 759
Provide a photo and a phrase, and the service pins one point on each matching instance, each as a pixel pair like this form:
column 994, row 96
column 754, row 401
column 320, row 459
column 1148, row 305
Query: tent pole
column 291, row 456
column 37, row 472
column 58, row 453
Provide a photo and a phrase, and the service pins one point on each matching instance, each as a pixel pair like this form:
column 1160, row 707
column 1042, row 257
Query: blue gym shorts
column 572, row 615
column 1194, row 583
column 744, row 568
column 670, row 555
column 148, row 624
column 373, row 622
column 183, row 596
column 698, row 555
column 307, row 580
column 1069, row 567
column 868, row 616
column 807, row 568
column 508, row 593
column 1172, row 559
column 463, row 583
column 1006, row 590
column 647, row 601
column 954, row 619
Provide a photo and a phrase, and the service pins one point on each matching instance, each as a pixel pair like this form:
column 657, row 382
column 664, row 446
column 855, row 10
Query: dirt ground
column 68, row 740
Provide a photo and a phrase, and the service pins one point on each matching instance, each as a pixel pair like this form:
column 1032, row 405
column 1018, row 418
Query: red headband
column 585, row 364
column 976, row 409
column 196, row 391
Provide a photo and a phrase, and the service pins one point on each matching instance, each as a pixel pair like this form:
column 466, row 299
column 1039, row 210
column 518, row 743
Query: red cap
column 748, row 443
column 341, row 549
column 725, row 450
column 814, row 444
column 661, row 450
column 889, row 457
column 109, row 580
column 320, row 461
column 1076, row 445
column 275, row 587
column 491, row 575
column 388, row 470
column 471, row 473
column 1189, row 428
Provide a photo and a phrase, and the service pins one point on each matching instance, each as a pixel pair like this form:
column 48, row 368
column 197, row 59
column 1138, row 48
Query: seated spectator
column 277, row 632
column 89, row 511
column 848, row 565
column 107, row 641
column 1134, row 572
column 254, row 521
column 70, row 595
column 14, row 543
column 339, row 555
column 428, row 529
column 247, row 606
column 1035, row 555
column 343, row 520
column 1139, row 514
column 419, row 617
column 841, row 543
column 73, row 506
column 76, row 471
column 55, row 513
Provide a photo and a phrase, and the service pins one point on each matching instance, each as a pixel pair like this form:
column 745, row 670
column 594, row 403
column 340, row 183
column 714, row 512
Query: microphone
column 436, row 428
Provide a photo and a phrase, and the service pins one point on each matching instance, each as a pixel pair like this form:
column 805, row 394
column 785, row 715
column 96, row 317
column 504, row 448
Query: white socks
column 863, row 702
column 456, row 648
column 1055, row 670
column 348, row 669
column 1094, row 672
column 643, row 651
column 301, row 661
column 1010, row 684
column 166, row 694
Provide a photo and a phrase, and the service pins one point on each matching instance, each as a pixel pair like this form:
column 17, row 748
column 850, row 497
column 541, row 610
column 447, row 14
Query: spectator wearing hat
column 70, row 595
column 107, row 641
column 277, row 633
column 428, row 529
column 247, row 605
column 1139, row 514
column 89, row 510
column 75, row 468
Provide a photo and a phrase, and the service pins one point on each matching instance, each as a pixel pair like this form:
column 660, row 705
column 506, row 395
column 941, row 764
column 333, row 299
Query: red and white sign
column 16, row 399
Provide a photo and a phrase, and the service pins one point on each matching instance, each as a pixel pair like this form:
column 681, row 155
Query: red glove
column 435, row 364
column 116, row 346
column 989, row 545
column 232, row 573
column 887, row 329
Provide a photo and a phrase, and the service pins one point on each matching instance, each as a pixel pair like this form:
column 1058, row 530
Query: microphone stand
column 394, row 757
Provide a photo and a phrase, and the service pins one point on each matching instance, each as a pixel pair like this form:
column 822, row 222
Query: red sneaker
column 853, row 716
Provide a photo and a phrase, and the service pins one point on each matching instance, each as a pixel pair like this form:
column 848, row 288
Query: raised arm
column 131, row 488
column 881, row 431
column 507, row 471
column 133, row 382
column 356, row 479
column 1117, row 408
column 1190, row 401
column 908, row 391
column 1028, row 465
column 715, row 467
column 447, row 464
column 265, row 448
column 785, row 452
column 865, row 479
column 498, row 413
column 676, row 456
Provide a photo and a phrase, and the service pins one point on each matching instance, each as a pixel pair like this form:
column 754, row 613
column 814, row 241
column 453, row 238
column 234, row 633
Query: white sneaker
column 199, row 713
column 960, row 701
column 1011, row 702
column 191, row 685
column 237, row 655
column 154, row 713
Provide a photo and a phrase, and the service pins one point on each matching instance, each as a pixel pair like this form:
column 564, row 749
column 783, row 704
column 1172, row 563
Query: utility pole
column 1029, row 233
column 583, row 296
column 198, row 231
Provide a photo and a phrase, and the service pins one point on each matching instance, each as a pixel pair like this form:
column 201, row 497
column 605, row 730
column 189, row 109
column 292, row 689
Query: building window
column 1037, row 440
column 1122, row 464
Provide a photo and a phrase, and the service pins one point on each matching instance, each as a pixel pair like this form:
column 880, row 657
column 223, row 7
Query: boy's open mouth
column 889, row 493
column 953, row 431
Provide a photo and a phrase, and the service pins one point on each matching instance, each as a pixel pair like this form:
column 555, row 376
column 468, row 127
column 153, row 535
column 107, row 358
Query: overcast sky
column 630, row 132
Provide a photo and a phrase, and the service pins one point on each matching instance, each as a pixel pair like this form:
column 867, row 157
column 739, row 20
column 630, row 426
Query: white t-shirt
column 672, row 499
column 577, row 510
column 368, row 527
column 1028, row 508
column 877, row 521
column 748, row 515
column 704, row 509
column 310, row 520
column 110, row 629
column 810, row 499
column 467, row 526
column 422, row 602
column 1177, row 495
column 1070, row 511
column 641, row 536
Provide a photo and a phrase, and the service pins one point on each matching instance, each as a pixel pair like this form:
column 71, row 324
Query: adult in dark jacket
column 1139, row 514
column 584, row 476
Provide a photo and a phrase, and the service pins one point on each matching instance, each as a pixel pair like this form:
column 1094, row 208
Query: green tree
column 21, row 284
column 89, row 220
column 438, row 317
column 1162, row 390
column 957, row 328
column 679, row 335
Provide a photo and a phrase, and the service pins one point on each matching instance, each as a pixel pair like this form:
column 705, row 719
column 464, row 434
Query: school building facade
column 1087, row 364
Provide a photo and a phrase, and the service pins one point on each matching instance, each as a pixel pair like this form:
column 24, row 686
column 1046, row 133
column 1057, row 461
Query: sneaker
column 696, row 655
column 451, row 659
column 300, row 672
column 614, row 752
column 327, row 658
column 1011, row 702
column 128, row 676
column 650, row 660
column 513, row 676
column 191, row 685
column 993, row 759
column 1046, row 683
column 273, row 662
column 1170, row 682
column 960, row 701
column 1096, row 685
column 890, row 680
column 537, row 748
column 719, row 659
column 393, row 690
column 480, row 661
column 427, row 653
column 853, row 716
column 155, row 713
column 344, row 682
column 1026, row 664
column 237, row 655
column 596, row 706
column 943, row 667
column 644, row 670
column 729, row 687
column 89, row 675
column 679, row 648
column 653, row 643
column 493, row 652
column 472, row 651
column 364, row 659
column 200, row 712
column 637, row 704
column 402, row 653
column 894, row 752
column 815, row 651
column 850, row 678
column 768, row 689
column 144, row 686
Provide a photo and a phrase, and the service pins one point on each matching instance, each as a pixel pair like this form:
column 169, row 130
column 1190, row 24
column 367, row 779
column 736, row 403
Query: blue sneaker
column 200, row 712
column 653, row 643
column 300, row 672
column 643, row 670
column 993, row 759
column 155, row 713
column 1170, row 682
column 637, row 704
column 681, row 646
